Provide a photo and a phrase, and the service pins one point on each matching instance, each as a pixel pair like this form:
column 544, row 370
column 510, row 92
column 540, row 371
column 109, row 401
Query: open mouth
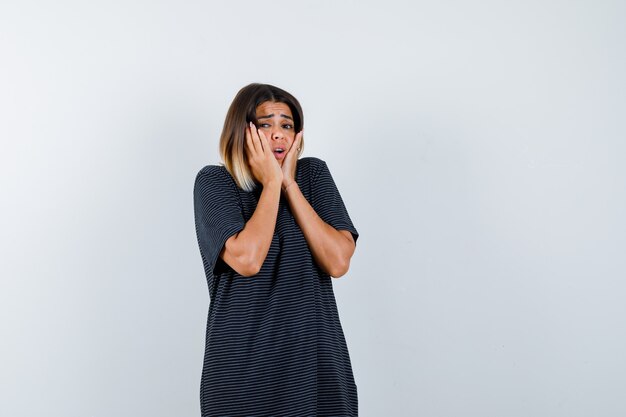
column 279, row 152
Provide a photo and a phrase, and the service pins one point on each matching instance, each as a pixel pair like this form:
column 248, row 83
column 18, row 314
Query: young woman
column 272, row 230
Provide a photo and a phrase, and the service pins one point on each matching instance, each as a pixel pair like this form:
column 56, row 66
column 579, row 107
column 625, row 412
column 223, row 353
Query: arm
column 331, row 248
column 245, row 251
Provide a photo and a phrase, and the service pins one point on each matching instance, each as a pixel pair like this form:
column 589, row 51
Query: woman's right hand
column 263, row 163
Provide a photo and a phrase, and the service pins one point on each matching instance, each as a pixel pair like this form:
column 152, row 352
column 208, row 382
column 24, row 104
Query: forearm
column 330, row 249
column 256, row 237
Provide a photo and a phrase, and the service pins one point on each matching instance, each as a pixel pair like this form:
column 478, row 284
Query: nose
column 277, row 134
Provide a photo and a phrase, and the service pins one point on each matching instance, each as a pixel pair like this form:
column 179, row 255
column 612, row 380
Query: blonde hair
column 241, row 112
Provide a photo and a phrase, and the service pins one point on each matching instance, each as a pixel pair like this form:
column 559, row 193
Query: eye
column 287, row 126
column 264, row 125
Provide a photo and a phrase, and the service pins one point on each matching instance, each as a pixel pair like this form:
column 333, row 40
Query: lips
column 279, row 152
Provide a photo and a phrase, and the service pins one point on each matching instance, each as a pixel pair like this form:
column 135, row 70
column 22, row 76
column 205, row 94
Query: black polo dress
column 274, row 341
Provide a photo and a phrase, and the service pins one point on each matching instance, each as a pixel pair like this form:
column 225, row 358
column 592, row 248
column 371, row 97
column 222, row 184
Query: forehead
column 268, row 107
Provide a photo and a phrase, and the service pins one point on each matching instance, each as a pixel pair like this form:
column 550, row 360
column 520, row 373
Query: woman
column 272, row 231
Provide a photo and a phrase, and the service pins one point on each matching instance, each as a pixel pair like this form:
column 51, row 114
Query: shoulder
column 313, row 165
column 211, row 170
column 311, row 160
column 213, row 176
column 208, row 172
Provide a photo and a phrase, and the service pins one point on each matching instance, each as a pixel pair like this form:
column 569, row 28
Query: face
column 276, row 122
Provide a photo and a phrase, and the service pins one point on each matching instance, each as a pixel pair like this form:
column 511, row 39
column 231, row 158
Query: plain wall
column 478, row 147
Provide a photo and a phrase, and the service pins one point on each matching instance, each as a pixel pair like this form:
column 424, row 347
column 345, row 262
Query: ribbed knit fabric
column 274, row 342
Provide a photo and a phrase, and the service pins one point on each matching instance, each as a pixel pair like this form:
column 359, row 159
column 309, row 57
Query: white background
column 478, row 146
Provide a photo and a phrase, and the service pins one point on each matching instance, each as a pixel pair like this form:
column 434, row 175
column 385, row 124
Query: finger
column 299, row 138
column 266, row 145
column 256, row 139
column 296, row 143
column 253, row 143
column 252, row 148
column 249, row 145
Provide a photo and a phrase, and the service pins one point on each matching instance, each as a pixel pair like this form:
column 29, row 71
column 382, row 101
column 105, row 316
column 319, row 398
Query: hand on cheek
column 289, row 163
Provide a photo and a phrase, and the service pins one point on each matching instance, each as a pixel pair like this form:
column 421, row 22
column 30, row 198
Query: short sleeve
column 327, row 202
column 218, row 214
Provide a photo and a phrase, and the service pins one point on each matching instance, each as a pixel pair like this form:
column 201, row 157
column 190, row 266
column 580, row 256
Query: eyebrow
column 269, row 116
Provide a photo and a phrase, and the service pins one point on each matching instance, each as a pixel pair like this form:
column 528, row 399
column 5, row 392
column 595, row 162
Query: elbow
column 339, row 269
column 251, row 267
column 244, row 259
column 341, row 264
column 246, row 267
column 247, row 273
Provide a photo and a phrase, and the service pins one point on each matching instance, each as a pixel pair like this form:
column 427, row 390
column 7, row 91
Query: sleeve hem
column 227, row 234
column 355, row 233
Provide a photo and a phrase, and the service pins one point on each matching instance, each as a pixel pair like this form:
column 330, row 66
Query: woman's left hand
column 289, row 163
